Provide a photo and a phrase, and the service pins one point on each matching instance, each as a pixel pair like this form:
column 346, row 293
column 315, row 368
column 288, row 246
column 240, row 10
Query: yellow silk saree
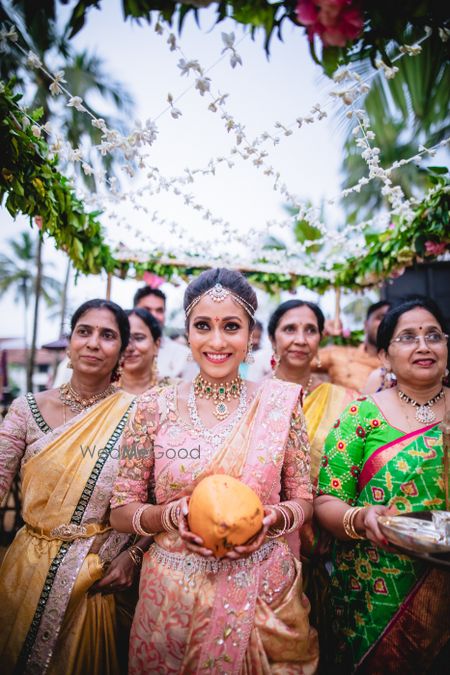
column 48, row 622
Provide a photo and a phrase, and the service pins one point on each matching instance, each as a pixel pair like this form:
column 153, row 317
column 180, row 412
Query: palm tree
column 16, row 273
column 22, row 273
column 409, row 110
column 85, row 76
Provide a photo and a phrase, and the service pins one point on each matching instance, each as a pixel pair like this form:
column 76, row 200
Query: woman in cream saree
column 205, row 615
column 48, row 623
column 64, row 442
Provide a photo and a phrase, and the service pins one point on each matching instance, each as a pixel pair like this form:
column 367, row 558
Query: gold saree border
column 55, row 565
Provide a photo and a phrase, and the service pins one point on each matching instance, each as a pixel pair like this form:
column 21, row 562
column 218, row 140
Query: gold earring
column 318, row 362
column 275, row 361
column 69, row 362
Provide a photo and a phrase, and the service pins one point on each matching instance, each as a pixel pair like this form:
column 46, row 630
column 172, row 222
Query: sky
column 261, row 92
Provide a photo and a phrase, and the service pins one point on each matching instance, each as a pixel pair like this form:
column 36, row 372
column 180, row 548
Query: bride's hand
column 253, row 544
column 193, row 542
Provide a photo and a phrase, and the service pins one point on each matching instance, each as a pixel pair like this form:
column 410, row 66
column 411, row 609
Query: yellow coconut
column 224, row 512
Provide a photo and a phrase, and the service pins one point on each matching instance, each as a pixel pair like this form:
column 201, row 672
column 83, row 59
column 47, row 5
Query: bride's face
column 218, row 336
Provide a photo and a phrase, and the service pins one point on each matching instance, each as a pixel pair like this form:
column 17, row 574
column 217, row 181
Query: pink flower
column 435, row 248
column 153, row 280
column 39, row 222
column 336, row 22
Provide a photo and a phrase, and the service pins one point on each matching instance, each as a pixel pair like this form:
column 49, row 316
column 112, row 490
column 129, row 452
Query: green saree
column 367, row 461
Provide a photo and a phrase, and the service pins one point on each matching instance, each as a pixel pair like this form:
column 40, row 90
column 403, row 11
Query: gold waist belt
column 68, row 532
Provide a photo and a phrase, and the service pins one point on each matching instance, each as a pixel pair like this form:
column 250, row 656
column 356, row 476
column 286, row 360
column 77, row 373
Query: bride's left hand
column 193, row 542
column 270, row 518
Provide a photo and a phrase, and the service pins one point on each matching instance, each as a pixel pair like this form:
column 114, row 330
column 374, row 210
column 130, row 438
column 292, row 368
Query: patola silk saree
column 48, row 622
column 197, row 615
column 390, row 611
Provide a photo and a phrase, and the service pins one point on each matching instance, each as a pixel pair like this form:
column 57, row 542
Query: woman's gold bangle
column 136, row 554
column 348, row 522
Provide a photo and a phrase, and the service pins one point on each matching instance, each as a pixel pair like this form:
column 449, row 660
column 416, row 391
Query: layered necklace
column 220, row 393
column 76, row 402
column 216, row 438
column 424, row 412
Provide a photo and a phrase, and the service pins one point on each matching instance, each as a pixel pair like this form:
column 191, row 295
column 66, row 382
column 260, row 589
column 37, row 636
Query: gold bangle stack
column 348, row 522
column 136, row 521
column 136, row 554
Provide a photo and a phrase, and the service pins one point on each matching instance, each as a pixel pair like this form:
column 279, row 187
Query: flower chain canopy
column 218, row 293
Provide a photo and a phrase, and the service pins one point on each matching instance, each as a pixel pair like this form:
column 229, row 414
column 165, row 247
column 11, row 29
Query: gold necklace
column 224, row 391
column 76, row 402
column 306, row 390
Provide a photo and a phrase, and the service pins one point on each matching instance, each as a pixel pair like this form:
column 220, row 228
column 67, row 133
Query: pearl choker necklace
column 424, row 412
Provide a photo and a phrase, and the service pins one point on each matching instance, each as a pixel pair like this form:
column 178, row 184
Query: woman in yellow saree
column 295, row 330
column 65, row 443
column 243, row 613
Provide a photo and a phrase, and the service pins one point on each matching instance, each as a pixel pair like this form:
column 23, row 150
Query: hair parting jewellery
column 219, row 293
column 424, row 412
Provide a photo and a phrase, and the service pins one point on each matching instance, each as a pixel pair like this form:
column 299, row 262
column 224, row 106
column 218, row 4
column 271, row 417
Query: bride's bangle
column 136, row 521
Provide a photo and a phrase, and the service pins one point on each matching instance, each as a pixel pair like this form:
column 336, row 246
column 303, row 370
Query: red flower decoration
column 324, row 460
column 374, row 423
column 341, row 445
column 355, row 471
column 360, row 431
column 337, row 423
column 336, row 22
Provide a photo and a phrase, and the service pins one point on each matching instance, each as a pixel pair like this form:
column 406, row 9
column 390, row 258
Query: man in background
column 172, row 356
column 351, row 366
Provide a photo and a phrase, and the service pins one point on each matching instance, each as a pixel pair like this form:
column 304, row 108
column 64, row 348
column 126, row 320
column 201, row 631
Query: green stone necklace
column 220, row 393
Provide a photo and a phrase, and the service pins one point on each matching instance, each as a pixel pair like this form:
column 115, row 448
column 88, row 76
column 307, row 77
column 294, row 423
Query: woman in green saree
column 385, row 454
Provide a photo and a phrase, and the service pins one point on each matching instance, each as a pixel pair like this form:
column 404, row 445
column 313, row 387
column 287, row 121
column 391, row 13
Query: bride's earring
column 249, row 357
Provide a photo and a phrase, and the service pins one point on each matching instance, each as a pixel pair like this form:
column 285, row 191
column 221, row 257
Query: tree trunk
column 62, row 330
column 37, row 297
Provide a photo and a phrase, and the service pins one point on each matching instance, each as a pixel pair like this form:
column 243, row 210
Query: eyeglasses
column 431, row 339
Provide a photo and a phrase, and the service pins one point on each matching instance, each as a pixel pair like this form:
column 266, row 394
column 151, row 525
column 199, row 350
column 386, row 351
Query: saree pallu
column 197, row 615
column 49, row 624
column 388, row 606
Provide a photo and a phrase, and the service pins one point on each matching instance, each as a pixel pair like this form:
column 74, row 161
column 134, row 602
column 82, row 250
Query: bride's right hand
column 193, row 542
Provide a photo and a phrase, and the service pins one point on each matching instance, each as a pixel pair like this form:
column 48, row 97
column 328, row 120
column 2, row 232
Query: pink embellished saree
column 195, row 615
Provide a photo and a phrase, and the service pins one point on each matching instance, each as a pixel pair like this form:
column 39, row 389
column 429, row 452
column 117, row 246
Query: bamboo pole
column 108, row 286
column 337, row 310
column 445, row 428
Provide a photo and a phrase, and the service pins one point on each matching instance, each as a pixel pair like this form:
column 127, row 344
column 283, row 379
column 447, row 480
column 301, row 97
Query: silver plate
column 415, row 532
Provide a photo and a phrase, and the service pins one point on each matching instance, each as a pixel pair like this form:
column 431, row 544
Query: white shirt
column 172, row 360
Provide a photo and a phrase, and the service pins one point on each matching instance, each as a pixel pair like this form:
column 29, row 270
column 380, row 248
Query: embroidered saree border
column 37, row 416
column 384, row 454
column 30, row 640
